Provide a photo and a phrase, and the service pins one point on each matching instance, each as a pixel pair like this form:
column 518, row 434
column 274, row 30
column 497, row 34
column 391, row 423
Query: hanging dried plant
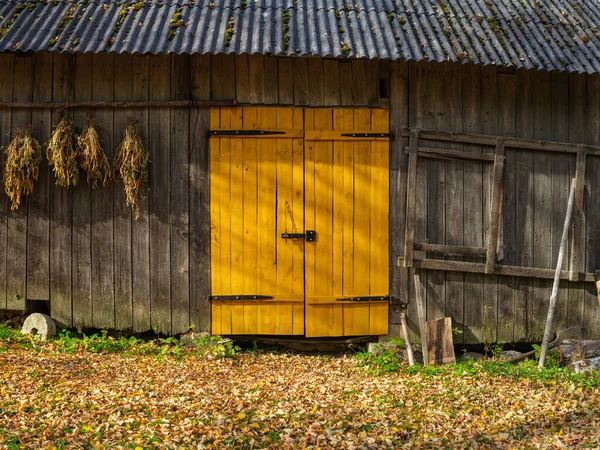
column 23, row 157
column 132, row 161
column 93, row 159
column 62, row 153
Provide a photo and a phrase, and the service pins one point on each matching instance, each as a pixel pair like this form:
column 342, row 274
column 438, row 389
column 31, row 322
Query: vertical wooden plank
column 82, row 221
column 140, row 233
column 561, row 184
column 217, row 89
column 38, row 230
column 285, row 81
column 591, row 321
column 6, row 88
column 422, row 313
column 242, row 78
column 398, row 195
column 298, row 178
column 122, row 213
column 228, row 74
column 60, row 212
column 346, row 83
column 158, row 197
column 577, row 230
column 271, row 94
column 452, row 194
column 411, row 199
column 372, row 82
column 578, row 300
column 215, row 218
column 179, row 189
column 199, row 203
column 300, row 72
column 494, row 220
column 507, row 285
column 103, row 276
column 331, row 83
column 315, row 81
column 489, row 125
column 440, row 342
column 236, row 210
column 16, row 249
column 201, row 77
column 257, row 78
column 359, row 88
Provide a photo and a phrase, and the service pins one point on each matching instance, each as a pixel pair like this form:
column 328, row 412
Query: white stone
column 39, row 325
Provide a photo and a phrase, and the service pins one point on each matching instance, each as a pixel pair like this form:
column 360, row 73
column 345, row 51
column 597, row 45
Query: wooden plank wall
column 453, row 197
column 100, row 268
column 81, row 248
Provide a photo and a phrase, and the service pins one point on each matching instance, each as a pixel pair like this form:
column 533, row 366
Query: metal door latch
column 309, row 236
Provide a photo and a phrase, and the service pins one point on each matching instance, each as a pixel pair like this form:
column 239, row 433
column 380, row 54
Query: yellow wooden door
column 311, row 175
column 347, row 192
column 256, row 194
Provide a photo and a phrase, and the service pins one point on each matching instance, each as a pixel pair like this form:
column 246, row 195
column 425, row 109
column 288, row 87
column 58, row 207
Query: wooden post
column 578, row 235
column 409, row 349
column 411, row 199
column 492, row 243
column 553, row 297
column 422, row 317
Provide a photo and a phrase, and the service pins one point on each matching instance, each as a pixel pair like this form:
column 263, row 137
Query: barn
column 306, row 158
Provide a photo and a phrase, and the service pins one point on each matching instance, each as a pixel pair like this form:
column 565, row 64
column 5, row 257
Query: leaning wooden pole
column 422, row 316
column 409, row 349
column 559, row 263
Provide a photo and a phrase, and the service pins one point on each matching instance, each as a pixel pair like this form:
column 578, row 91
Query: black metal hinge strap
column 367, row 135
column 243, row 132
column 240, row 297
column 374, row 298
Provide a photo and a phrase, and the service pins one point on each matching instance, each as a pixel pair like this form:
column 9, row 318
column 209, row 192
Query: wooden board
column 440, row 345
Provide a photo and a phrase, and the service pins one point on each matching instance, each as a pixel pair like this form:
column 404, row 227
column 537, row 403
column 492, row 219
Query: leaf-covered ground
column 56, row 398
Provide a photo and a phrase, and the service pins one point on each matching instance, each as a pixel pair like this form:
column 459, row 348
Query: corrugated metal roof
column 550, row 35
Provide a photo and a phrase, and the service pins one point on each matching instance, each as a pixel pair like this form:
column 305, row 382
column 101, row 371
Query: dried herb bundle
column 23, row 157
column 132, row 161
column 93, row 159
column 62, row 153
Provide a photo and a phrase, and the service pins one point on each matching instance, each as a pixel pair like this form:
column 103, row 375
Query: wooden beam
column 578, row 234
column 453, row 154
column 450, row 249
column 411, row 199
column 471, row 267
column 492, row 243
column 131, row 104
column 485, row 139
column 420, row 300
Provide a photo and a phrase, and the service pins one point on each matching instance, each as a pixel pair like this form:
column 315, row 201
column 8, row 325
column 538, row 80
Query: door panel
column 347, row 193
column 256, row 194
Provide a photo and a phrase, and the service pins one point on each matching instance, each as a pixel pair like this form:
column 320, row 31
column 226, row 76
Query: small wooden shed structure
column 305, row 158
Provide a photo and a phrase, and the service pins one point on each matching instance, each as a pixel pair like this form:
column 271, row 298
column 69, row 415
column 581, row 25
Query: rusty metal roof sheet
column 550, row 35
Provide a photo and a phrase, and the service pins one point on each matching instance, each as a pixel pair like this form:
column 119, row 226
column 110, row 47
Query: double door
column 299, row 221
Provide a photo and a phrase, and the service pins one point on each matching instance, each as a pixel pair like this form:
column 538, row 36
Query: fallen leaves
column 54, row 399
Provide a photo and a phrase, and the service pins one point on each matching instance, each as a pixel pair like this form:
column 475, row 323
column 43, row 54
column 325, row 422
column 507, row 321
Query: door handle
column 309, row 236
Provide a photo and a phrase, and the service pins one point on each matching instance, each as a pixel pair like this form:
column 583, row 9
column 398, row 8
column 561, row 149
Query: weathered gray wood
column 38, row 219
column 6, row 84
column 406, row 336
column 578, row 234
column 82, row 221
column 285, row 81
column 242, row 79
column 450, row 249
column 421, row 308
column 411, row 191
column 315, row 82
column 359, row 91
column 300, row 71
column 331, row 83
column 399, row 280
column 559, row 263
column 256, row 65
column 201, row 80
column 122, row 214
column 586, row 365
column 450, row 154
column 271, row 94
column 16, row 250
column 140, row 233
column 453, row 194
column 217, row 88
column 440, row 345
column 346, row 83
column 179, row 199
column 99, row 104
column 371, row 85
column 103, row 268
column 60, row 212
column 158, row 197
column 494, row 220
column 506, row 126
